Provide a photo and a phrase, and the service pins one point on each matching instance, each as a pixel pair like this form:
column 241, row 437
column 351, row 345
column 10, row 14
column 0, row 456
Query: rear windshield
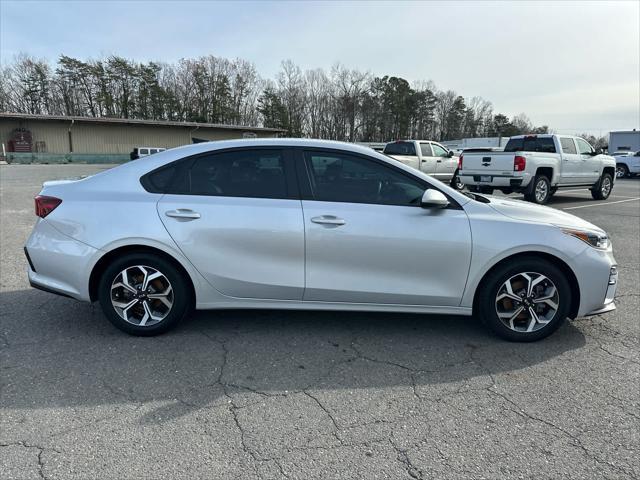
column 400, row 148
column 531, row 144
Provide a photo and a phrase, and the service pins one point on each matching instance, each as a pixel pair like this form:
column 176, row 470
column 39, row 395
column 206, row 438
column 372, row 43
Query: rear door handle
column 328, row 220
column 182, row 213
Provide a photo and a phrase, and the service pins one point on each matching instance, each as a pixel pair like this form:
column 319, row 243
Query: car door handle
column 328, row 220
column 438, row 161
column 182, row 213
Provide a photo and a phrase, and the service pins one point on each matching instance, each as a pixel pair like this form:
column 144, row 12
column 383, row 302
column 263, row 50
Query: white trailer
column 628, row 141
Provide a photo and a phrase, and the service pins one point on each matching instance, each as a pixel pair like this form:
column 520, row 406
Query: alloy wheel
column 605, row 188
column 620, row 172
column 527, row 302
column 541, row 190
column 142, row 295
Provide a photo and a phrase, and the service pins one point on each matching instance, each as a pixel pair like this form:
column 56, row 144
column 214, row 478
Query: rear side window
column 400, row 148
column 425, row 149
column 242, row 173
column 567, row 145
column 531, row 144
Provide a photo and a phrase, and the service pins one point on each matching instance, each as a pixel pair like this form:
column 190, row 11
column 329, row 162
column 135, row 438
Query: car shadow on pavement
column 56, row 352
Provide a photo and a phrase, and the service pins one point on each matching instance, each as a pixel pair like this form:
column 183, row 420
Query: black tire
column 456, row 183
column 540, row 191
column 622, row 170
column 181, row 296
column 494, row 281
column 603, row 187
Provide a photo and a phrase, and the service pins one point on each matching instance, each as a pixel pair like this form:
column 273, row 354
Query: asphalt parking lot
column 279, row 394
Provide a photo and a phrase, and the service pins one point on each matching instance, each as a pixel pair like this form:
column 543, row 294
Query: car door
column 591, row 163
column 369, row 241
column 428, row 163
column 570, row 170
column 445, row 165
column 237, row 217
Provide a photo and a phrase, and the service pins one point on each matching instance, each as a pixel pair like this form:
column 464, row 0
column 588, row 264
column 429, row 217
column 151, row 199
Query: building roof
column 132, row 121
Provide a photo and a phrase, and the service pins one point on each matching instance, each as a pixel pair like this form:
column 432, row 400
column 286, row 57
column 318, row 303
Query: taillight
column 519, row 162
column 460, row 162
column 45, row 205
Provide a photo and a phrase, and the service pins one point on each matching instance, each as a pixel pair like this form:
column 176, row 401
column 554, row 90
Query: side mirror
column 599, row 151
column 450, row 154
column 433, row 199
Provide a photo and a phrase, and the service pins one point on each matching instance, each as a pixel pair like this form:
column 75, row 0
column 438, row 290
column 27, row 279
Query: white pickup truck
column 427, row 156
column 538, row 165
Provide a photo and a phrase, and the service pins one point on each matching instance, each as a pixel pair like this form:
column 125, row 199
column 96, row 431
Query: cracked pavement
column 302, row 395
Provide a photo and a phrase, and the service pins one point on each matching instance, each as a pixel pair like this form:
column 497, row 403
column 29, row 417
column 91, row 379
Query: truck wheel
column 456, row 182
column 602, row 189
column 541, row 191
column 622, row 170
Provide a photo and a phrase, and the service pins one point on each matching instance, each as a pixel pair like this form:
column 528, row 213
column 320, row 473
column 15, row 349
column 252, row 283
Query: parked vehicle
column 139, row 152
column 627, row 163
column 428, row 157
column 310, row 224
column 538, row 165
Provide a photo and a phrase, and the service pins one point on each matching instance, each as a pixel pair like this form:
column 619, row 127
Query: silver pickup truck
column 428, row 157
column 538, row 165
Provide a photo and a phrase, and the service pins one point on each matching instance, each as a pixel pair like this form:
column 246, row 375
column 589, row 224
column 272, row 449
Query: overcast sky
column 574, row 66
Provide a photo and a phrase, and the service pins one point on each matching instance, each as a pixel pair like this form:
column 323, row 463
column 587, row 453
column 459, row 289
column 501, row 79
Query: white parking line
column 602, row 204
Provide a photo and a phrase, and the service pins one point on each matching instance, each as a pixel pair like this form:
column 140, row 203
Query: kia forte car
column 315, row 225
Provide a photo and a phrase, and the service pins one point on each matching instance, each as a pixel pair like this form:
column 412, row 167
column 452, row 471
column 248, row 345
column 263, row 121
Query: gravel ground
column 279, row 394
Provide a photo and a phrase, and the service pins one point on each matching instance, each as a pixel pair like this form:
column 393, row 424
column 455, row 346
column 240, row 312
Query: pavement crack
column 40, row 451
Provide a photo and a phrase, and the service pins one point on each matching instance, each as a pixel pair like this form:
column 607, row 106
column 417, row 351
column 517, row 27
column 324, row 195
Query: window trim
column 306, row 191
column 577, row 141
column 435, row 144
column 430, row 145
column 291, row 182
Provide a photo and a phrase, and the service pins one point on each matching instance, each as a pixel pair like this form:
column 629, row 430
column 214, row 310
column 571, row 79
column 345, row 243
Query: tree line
column 339, row 104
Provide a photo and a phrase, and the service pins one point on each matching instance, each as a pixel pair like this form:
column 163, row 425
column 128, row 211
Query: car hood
column 531, row 212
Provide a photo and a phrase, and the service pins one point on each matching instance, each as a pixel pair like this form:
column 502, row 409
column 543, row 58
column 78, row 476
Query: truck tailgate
column 487, row 162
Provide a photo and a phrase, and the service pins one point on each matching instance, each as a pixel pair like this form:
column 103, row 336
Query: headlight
column 596, row 240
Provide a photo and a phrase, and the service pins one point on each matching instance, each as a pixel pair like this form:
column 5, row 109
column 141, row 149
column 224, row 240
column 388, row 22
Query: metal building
column 49, row 134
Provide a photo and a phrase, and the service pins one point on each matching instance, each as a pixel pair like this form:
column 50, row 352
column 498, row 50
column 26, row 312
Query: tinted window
column 438, row 151
column 425, row 149
column 531, row 144
column 583, row 146
column 400, row 148
column 567, row 145
column 348, row 178
column 241, row 173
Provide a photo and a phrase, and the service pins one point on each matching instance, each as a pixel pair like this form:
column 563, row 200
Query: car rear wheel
column 525, row 300
column 602, row 189
column 144, row 294
column 541, row 191
column 456, row 182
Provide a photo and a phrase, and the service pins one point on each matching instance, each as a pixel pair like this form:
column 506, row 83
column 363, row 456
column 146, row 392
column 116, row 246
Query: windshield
column 400, row 148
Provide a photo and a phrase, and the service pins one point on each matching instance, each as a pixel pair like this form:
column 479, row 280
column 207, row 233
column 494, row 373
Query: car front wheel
column 144, row 294
column 622, row 170
column 602, row 189
column 525, row 300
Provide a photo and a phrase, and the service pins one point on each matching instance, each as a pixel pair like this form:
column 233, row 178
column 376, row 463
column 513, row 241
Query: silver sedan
column 316, row 225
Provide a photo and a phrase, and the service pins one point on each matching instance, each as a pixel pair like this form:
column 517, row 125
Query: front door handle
column 328, row 220
column 182, row 213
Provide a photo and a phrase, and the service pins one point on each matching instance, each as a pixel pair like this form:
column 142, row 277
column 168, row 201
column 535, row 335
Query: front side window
column 583, row 146
column 567, row 145
column 241, row 173
column 400, row 148
column 338, row 177
column 438, row 151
